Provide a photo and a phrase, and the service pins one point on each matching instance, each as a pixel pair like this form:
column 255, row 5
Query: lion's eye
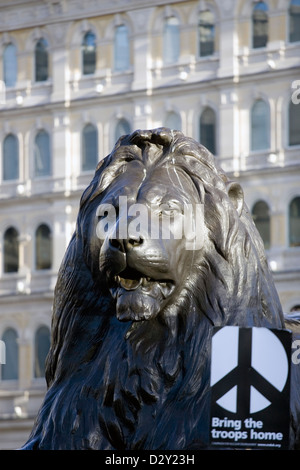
column 170, row 210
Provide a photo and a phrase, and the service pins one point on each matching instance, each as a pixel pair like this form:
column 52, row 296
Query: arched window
column 294, row 222
column 41, row 348
column 171, row 40
column 10, row 65
column 294, row 124
column 10, row 158
column 261, row 217
column 89, row 148
column 41, row 61
column 173, row 121
column 294, row 21
column 208, row 129
column 42, row 155
column 260, row 25
column 11, row 250
column 122, row 128
column 121, row 48
column 43, row 247
column 10, row 370
column 206, row 33
column 89, row 53
column 260, row 125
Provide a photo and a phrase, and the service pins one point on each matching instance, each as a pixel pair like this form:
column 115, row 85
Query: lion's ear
column 236, row 195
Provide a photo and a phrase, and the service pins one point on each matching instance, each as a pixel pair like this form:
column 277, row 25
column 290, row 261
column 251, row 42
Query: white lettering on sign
column 267, row 357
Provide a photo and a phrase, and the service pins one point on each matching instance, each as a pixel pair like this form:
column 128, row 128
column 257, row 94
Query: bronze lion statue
column 128, row 366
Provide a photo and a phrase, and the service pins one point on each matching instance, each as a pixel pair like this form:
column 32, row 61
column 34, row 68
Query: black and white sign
column 250, row 387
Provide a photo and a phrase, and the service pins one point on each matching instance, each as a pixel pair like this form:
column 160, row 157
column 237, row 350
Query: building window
column 122, row 48
column 42, row 156
column 89, row 148
column 11, row 250
column 208, row 129
column 206, row 33
column 294, row 21
column 41, row 349
column 10, row 370
column 10, row 65
column 122, row 128
column 171, row 40
column 173, row 121
column 43, row 247
column 260, row 25
column 89, row 53
column 261, row 217
column 294, row 222
column 10, row 158
column 260, row 126
column 41, row 61
column 294, row 124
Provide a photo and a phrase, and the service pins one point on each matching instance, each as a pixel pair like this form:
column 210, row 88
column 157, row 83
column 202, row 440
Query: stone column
column 141, row 48
column 228, row 44
column 25, row 363
column 142, row 66
column 228, row 142
column 61, row 151
column 228, row 135
column 60, row 65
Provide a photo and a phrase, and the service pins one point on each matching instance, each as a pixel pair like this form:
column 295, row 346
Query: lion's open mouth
column 131, row 279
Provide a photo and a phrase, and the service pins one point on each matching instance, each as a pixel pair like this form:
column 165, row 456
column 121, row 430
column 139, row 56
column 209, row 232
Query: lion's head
column 135, row 304
column 163, row 174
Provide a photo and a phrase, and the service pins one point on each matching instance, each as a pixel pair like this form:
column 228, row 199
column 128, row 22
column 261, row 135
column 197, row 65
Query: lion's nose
column 127, row 244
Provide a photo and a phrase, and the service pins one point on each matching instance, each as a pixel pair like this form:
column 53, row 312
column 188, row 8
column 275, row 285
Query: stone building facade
column 74, row 76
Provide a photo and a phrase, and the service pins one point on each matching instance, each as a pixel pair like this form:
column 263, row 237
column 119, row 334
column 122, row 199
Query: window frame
column 49, row 241
column 40, row 174
column 176, row 116
column 266, row 35
column 118, row 124
column 289, row 23
column 200, row 55
column 203, row 111
column 126, row 66
column 297, row 108
column 16, row 248
column 37, row 374
column 16, row 153
column 8, row 354
column 38, row 67
column 83, row 148
column 267, row 125
column 170, row 58
column 14, row 81
column 267, row 218
column 84, row 54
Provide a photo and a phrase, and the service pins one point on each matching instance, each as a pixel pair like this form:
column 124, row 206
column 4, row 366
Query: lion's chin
column 140, row 303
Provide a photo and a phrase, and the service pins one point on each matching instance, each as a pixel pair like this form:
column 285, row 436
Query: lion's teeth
column 130, row 284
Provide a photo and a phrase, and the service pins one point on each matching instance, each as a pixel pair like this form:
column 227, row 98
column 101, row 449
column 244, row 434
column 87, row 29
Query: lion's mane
column 145, row 385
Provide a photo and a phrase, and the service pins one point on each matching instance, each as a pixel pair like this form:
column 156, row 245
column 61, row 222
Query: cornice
column 19, row 14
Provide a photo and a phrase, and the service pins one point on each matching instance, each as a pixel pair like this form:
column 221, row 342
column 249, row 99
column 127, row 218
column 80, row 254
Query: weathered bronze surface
column 129, row 361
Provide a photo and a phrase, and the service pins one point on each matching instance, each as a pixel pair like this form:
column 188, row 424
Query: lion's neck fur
column 129, row 375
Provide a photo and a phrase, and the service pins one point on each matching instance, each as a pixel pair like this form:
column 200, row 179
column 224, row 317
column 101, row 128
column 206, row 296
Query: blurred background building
column 74, row 76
